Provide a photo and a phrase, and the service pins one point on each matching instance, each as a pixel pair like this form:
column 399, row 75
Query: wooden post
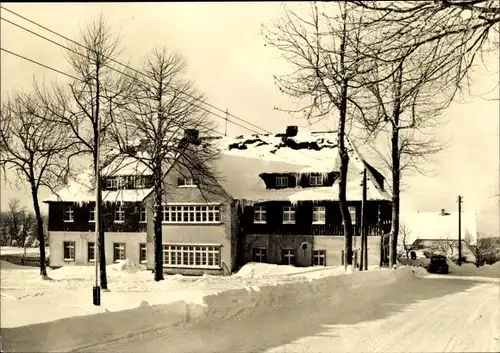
column 459, row 230
column 363, row 260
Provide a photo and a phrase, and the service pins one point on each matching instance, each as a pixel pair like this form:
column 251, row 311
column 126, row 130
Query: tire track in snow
column 466, row 322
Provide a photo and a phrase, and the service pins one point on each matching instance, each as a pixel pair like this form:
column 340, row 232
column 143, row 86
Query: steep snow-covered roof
column 122, row 166
column 243, row 159
column 435, row 226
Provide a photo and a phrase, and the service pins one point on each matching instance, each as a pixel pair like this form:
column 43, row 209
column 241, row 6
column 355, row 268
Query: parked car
column 438, row 265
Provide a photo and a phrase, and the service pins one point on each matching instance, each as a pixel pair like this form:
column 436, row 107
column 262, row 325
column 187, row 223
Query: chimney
column 443, row 212
column 192, row 136
column 291, row 131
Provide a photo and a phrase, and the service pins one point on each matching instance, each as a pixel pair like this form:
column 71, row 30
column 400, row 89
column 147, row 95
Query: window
column 112, row 183
column 142, row 253
column 191, row 214
column 197, row 256
column 352, row 211
column 143, row 217
column 139, row 182
column 118, row 251
column 319, row 257
column 90, row 251
column 288, row 215
column 319, row 213
column 69, row 214
column 282, row 181
column 259, row 255
column 92, row 214
column 288, row 257
column 69, row 250
column 316, row 180
column 186, row 181
column 119, row 214
column 259, row 214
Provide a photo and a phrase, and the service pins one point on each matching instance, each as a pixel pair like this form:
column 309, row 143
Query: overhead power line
column 127, row 66
column 71, row 76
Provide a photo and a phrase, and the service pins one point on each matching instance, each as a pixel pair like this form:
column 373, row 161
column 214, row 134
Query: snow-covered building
column 287, row 185
column 439, row 230
column 275, row 200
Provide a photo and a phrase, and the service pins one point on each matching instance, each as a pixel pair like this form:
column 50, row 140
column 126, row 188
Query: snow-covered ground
column 69, row 293
column 141, row 305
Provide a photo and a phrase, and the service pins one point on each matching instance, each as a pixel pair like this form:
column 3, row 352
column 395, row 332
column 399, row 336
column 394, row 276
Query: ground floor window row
column 288, row 256
column 194, row 255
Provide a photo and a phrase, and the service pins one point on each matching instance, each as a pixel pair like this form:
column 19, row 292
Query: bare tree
column 36, row 147
column 461, row 31
column 404, row 246
column 161, row 131
column 14, row 220
column 483, row 249
column 445, row 246
column 96, row 96
column 321, row 48
column 405, row 111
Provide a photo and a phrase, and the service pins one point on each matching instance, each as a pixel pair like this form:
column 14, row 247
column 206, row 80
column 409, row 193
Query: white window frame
column 191, row 213
column 320, row 213
column 143, row 212
column 143, row 247
column 319, row 255
column 119, row 210
column 88, row 250
column 113, row 183
column 69, row 214
column 352, row 212
column 188, row 182
column 70, row 246
column 139, row 182
column 288, row 256
column 316, row 180
column 192, row 256
column 121, row 247
column 260, row 215
column 92, row 214
column 259, row 254
column 288, row 215
column 281, row 181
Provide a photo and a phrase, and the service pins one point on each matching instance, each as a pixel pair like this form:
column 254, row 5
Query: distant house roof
column 437, row 226
column 243, row 159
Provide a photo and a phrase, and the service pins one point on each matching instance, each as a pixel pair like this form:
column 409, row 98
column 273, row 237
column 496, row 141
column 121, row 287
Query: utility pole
column 363, row 263
column 97, row 290
column 459, row 230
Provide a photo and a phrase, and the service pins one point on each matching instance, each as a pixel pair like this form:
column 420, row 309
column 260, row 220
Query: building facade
column 275, row 200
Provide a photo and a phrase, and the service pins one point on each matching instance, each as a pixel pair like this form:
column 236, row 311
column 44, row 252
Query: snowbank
column 86, row 331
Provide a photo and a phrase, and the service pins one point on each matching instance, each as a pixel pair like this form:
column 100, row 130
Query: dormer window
column 112, row 183
column 186, row 182
column 282, row 181
column 139, row 182
column 316, row 180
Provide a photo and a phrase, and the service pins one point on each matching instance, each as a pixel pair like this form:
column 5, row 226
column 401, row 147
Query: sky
column 228, row 61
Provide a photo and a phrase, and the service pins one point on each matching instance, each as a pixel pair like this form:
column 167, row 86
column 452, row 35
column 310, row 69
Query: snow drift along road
column 89, row 331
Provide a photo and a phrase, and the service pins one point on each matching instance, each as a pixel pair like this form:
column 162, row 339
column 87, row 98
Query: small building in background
column 438, row 231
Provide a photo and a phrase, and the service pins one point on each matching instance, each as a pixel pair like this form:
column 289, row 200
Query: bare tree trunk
column 41, row 237
column 102, row 243
column 158, row 241
column 344, row 162
column 396, row 165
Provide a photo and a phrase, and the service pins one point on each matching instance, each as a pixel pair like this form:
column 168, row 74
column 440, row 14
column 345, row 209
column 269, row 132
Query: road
column 423, row 315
